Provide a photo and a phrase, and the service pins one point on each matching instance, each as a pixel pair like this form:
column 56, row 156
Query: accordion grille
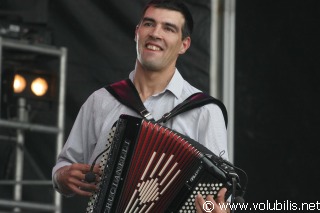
column 157, row 170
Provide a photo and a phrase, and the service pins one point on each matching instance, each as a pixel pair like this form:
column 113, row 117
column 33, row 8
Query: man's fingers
column 199, row 201
column 72, row 177
column 79, row 171
column 97, row 170
column 213, row 204
column 203, row 205
column 221, row 195
column 80, row 191
column 81, row 187
column 84, row 168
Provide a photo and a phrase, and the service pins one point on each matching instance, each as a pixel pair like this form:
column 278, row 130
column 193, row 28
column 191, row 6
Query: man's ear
column 135, row 33
column 185, row 45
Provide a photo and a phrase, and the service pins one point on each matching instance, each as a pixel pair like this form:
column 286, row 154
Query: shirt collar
column 175, row 85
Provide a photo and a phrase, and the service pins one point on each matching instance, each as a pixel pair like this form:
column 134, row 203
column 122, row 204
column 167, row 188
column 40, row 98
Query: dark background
column 276, row 85
column 277, row 98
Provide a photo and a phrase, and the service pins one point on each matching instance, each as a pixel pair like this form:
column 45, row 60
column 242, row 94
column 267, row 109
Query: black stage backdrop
column 276, row 94
column 277, row 99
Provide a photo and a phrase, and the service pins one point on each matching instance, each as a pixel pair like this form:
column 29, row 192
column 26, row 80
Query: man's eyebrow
column 165, row 23
column 172, row 25
column 148, row 19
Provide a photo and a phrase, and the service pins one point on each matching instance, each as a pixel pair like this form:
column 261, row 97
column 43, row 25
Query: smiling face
column 159, row 39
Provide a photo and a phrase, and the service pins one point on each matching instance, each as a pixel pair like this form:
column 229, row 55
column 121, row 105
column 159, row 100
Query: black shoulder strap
column 195, row 100
column 127, row 94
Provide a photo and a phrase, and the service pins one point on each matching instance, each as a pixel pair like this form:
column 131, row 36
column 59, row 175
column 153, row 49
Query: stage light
column 19, row 84
column 32, row 84
column 39, row 86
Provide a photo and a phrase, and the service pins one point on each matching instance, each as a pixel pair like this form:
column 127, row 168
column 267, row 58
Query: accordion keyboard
column 102, row 165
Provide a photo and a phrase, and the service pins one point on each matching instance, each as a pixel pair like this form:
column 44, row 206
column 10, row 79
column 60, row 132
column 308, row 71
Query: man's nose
column 156, row 32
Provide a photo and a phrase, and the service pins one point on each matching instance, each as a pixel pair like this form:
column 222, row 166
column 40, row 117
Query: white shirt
column 100, row 111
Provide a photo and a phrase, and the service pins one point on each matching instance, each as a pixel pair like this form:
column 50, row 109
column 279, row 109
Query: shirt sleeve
column 76, row 149
column 212, row 130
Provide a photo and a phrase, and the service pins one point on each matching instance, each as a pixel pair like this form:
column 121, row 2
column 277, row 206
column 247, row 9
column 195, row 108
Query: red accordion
column 151, row 168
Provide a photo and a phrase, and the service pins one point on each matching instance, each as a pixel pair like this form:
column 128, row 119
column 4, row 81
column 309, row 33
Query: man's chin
column 151, row 66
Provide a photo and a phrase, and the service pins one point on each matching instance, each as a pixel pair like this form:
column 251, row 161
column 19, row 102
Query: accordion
column 151, row 168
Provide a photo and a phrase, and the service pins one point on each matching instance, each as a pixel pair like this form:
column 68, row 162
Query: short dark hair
column 176, row 5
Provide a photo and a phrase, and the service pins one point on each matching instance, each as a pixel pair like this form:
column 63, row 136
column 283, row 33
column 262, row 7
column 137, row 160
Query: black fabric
column 196, row 100
column 277, row 99
column 125, row 92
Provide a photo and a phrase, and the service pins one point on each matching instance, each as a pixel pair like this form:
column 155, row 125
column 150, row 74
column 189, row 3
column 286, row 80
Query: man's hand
column 200, row 202
column 70, row 179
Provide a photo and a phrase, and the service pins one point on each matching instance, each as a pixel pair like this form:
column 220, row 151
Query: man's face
column 159, row 39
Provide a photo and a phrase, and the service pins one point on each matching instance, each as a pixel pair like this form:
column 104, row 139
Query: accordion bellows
column 151, row 168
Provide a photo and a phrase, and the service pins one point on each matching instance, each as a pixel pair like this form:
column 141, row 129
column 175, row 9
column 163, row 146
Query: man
column 162, row 34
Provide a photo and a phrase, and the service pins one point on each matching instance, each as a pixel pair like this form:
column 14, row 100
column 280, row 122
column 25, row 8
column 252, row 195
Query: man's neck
column 149, row 83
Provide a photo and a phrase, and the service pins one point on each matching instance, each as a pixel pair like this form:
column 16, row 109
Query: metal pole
column 0, row 73
column 39, row 48
column 27, row 205
column 222, row 60
column 215, row 49
column 28, row 126
column 229, row 69
column 26, row 182
column 23, row 117
column 61, row 110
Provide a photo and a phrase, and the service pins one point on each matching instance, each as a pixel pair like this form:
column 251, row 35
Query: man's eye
column 169, row 29
column 147, row 24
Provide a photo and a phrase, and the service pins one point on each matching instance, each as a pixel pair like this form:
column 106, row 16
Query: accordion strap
column 125, row 92
column 195, row 100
